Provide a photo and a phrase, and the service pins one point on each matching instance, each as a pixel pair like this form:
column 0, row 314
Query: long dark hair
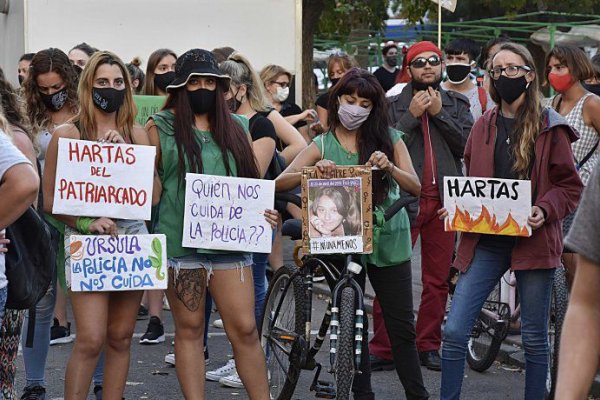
column 12, row 105
column 373, row 134
column 229, row 135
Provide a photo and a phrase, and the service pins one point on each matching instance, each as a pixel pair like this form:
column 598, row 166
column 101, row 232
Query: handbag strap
column 588, row 156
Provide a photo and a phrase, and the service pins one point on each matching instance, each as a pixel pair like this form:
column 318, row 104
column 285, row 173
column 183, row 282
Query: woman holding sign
column 196, row 133
column 105, row 320
column 516, row 140
column 360, row 134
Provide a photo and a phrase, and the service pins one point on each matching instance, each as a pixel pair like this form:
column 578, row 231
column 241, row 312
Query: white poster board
column 226, row 213
column 487, row 205
column 104, row 179
column 127, row 262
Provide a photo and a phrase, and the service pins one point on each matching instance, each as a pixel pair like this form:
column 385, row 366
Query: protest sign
column 147, row 106
column 487, row 205
column 227, row 213
column 126, row 262
column 104, row 179
column 337, row 215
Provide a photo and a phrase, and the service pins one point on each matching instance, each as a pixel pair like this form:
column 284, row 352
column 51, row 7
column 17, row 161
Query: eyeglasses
column 420, row 62
column 510, row 71
column 282, row 84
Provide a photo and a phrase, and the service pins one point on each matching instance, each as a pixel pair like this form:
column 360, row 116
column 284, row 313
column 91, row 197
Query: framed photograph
column 337, row 213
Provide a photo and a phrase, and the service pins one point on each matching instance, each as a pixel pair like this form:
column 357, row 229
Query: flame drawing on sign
column 485, row 223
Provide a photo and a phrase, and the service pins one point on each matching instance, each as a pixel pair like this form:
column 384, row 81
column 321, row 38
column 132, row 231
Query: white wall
column 264, row 30
column 12, row 39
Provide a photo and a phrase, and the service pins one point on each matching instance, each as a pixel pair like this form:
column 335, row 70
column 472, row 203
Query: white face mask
column 282, row 94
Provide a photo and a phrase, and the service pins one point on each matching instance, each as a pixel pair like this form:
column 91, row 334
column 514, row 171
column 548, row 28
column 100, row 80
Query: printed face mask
column 561, row 83
column 55, row 101
column 282, row 94
column 202, row 100
column 458, row 73
column 161, row 81
column 510, row 89
column 108, row 100
column 352, row 116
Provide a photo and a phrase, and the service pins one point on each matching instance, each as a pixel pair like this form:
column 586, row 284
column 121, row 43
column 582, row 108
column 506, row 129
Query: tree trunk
column 311, row 12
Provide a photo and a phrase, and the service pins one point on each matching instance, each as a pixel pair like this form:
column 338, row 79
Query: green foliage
column 341, row 17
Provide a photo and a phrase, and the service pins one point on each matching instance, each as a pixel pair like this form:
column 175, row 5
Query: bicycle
column 286, row 326
column 500, row 310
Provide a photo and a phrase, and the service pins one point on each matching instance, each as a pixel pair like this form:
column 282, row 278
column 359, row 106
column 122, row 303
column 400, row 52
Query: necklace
column 349, row 154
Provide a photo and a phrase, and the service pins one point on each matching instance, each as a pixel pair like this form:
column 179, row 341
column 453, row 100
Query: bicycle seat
column 292, row 228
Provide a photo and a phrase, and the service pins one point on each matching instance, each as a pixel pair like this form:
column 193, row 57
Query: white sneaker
column 218, row 323
column 232, row 381
column 170, row 358
column 225, row 370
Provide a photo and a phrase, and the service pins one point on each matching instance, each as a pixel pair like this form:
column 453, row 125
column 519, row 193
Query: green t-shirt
column 168, row 218
column 392, row 243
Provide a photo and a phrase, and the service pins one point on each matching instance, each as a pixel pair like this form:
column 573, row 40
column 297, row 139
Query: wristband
column 83, row 224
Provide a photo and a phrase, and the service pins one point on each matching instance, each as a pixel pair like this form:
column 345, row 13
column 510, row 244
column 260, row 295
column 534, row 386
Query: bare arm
column 23, row 143
column 263, row 148
column 48, row 180
column 323, row 117
column 294, row 141
column 580, row 340
column 403, row 172
column 149, row 137
column 290, row 177
column 18, row 190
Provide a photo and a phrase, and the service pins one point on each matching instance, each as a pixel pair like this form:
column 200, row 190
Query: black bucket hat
column 197, row 62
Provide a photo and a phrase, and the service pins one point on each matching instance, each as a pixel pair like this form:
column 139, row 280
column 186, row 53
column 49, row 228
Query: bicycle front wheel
column 344, row 362
column 282, row 330
column 488, row 333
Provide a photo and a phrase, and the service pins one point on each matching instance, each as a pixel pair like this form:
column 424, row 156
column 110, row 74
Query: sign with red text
column 487, row 205
column 104, row 179
column 125, row 262
column 226, row 213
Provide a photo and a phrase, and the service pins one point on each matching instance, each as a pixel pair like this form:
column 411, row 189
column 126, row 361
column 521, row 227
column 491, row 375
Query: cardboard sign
column 147, row 106
column 104, row 179
column 127, row 262
column 226, row 213
column 337, row 215
column 487, row 205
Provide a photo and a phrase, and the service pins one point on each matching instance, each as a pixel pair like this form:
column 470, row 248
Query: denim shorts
column 211, row 262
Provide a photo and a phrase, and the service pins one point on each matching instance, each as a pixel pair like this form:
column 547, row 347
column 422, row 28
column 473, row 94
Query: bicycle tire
column 344, row 362
column 487, row 334
column 289, row 318
column 558, row 310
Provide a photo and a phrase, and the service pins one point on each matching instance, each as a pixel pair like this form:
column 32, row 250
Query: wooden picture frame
column 337, row 213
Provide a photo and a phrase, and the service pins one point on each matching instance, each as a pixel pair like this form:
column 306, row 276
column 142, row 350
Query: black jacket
column 449, row 131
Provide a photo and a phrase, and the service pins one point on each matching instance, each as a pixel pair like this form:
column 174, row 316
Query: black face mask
column 21, row 78
column 78, row 69
column 55, row 101
column 202, row 100
column 334, row 81
column 510, row 89
column 593, row 88
column 458, row 73
column 418, row 86
column 108, row 100
column 392, row 61
column 233, row 103
column 163, row 80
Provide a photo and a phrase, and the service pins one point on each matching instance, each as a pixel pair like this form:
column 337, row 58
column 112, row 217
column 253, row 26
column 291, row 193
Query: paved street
column 151, row 378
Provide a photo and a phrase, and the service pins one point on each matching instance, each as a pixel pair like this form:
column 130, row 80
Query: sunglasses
column 421, row 62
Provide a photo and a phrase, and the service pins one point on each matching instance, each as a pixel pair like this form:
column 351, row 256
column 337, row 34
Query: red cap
column 421, row 47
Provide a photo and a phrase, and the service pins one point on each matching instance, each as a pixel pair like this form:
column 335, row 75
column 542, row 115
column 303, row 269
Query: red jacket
column 555, row 188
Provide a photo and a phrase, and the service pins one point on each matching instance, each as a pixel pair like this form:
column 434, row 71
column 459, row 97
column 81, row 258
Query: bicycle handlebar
column 388, row 214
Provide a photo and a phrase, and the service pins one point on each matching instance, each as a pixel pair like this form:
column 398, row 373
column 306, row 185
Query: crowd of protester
column 461, row 110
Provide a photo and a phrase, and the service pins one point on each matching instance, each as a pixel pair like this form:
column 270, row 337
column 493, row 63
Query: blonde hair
column 528, row 119
column 4, row 123
column 271, row 72
column 241, row 72
column 125, row 114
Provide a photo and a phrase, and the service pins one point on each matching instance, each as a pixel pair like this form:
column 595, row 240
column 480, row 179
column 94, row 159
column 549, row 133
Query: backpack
column 30, row 262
